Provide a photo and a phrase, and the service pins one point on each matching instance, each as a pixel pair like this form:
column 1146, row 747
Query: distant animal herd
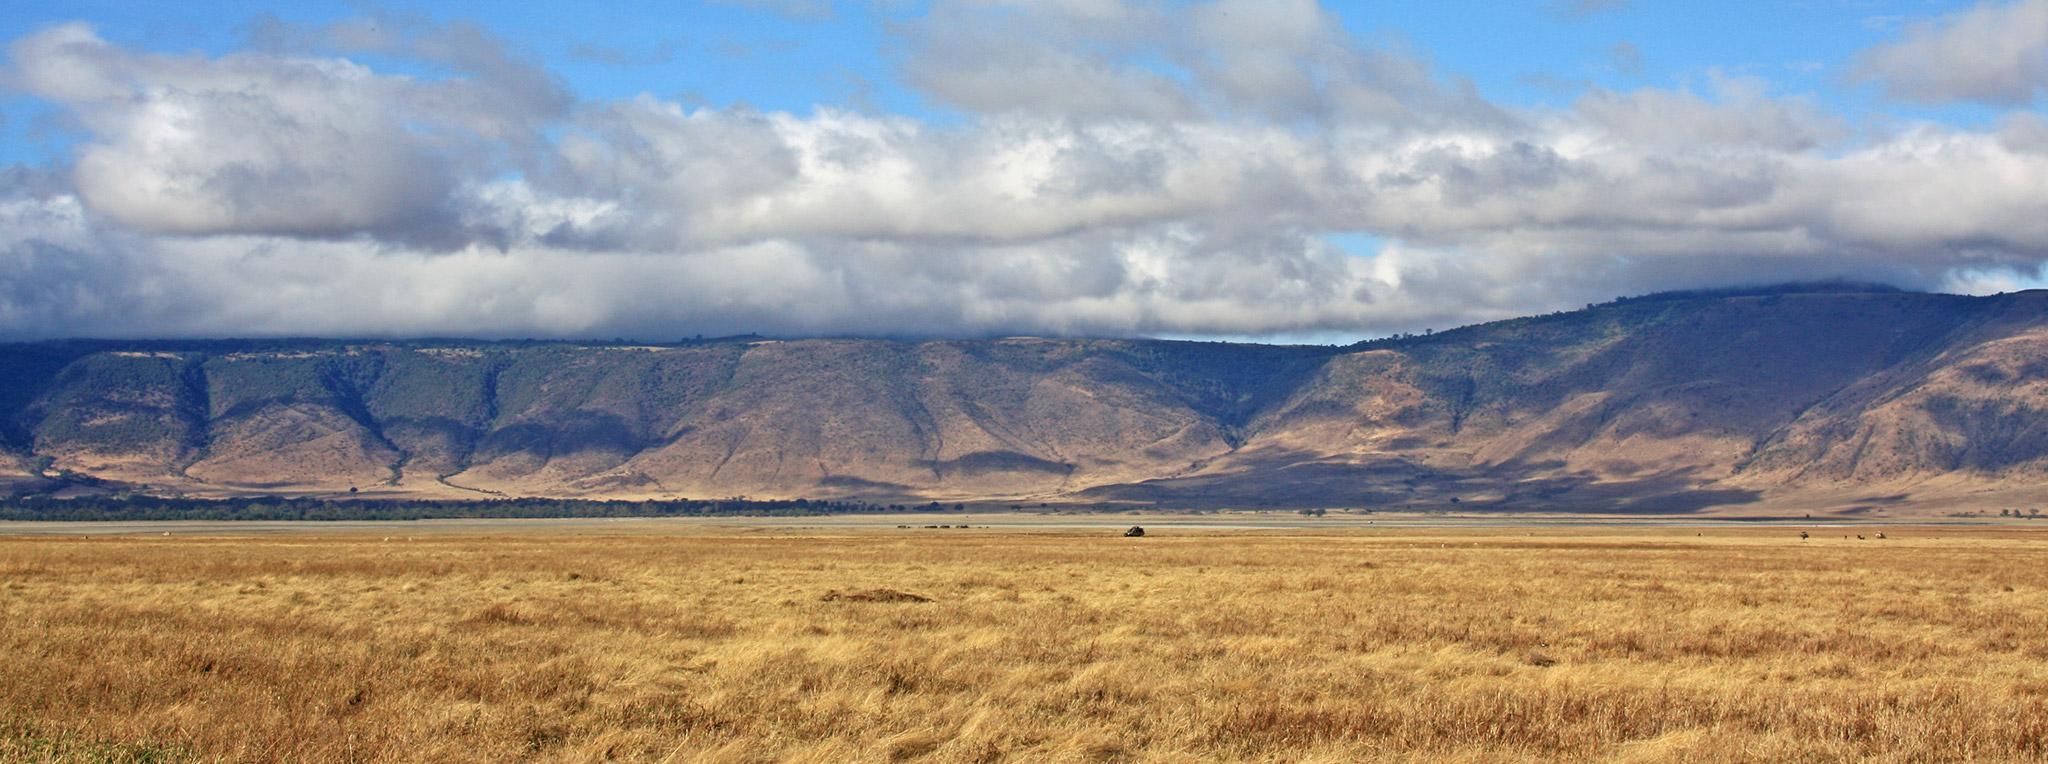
column 1803, row 535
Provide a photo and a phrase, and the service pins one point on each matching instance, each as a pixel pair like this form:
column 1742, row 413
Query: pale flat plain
column 694, row 642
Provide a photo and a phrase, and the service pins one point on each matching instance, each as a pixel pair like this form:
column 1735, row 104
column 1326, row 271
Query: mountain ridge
column 1724, row 401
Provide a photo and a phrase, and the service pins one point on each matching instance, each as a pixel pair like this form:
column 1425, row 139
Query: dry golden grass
column 724, row 646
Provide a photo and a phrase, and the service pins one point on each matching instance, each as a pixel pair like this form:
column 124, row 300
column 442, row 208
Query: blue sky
column 1256, row 169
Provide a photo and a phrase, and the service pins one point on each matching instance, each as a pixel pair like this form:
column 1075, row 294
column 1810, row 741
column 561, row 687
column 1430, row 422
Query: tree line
column 140, row 507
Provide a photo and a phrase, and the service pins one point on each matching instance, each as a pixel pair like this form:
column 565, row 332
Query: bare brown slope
column 1976, row 406
column 1019, row 417
column 1651, row 405
column 1008, row 418
column 1665, row 404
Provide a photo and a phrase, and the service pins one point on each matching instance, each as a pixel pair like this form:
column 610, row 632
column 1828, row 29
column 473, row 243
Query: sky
column 1276, row 170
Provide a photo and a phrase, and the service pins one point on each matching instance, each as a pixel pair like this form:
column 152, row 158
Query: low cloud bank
column 1119, row 170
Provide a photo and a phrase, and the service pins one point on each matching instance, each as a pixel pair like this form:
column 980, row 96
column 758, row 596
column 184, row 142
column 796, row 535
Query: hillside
column 1834, row 398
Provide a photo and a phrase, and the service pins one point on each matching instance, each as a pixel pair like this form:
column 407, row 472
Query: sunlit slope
column 1653, row 399
column 1663, row 403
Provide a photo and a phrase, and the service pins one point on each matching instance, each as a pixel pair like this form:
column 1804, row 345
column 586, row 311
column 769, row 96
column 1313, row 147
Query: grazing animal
column 1859, row 537
column 1802, row 535
column 1134, row 532
column 1880, row 534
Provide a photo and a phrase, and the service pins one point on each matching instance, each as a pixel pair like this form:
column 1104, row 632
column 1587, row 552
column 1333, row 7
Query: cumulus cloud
column 1187, row 179
column 256, row 143
column 1740, row 115
column 1075, row 58
column 1278, row 60
column 1993, row 53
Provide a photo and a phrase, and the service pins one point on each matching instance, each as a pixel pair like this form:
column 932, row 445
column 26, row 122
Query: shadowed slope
column 1661, row 404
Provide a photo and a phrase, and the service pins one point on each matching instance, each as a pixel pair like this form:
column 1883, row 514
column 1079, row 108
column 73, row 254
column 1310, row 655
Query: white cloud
column 1133, row 59
column 269, row 144
column 1074, row 58
column 1741, row 115
column 1994, row 53
column 293, row 190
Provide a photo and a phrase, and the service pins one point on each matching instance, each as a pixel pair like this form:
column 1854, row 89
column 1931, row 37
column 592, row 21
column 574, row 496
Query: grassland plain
column 713, row 644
